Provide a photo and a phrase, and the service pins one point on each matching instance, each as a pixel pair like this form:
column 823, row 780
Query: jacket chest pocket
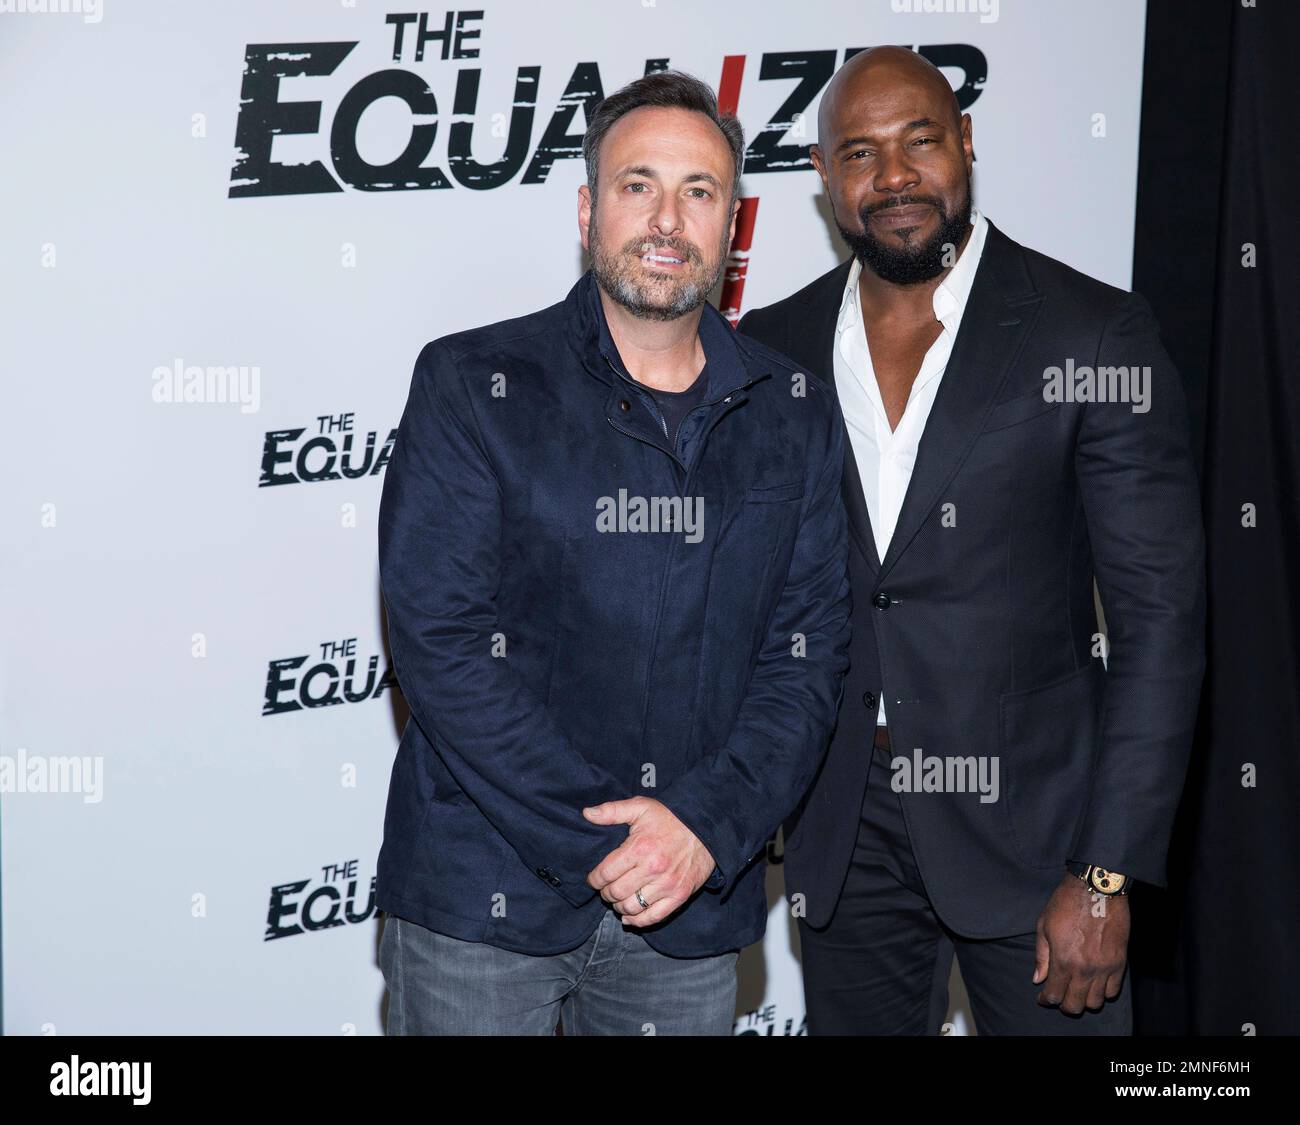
column 775, row 493
column 761, row 517
column 753, row 552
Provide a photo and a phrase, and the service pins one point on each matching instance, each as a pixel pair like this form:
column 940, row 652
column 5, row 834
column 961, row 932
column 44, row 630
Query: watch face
column 1107, row 882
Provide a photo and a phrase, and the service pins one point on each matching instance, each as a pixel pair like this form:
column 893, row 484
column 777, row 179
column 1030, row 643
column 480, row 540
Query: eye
column 700, row 193
column 860, row 152
column 926, row 141
column 637, row 184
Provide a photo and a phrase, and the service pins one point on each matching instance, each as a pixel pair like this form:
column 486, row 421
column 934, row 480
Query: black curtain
column 1218, row 254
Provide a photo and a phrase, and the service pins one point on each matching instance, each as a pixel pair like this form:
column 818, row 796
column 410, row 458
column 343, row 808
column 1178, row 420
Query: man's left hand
column 1081, row 955
column 661, row 858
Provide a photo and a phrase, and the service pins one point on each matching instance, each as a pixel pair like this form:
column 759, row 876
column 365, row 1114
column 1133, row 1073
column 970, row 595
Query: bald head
column 877, row 70
column 894, row 152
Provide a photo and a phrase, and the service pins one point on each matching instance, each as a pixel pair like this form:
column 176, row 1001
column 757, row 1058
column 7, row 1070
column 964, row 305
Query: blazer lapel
column 855, row 503
column 1000, row 310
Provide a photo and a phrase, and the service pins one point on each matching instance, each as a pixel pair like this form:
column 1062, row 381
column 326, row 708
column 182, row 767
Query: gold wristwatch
column 1099, row 879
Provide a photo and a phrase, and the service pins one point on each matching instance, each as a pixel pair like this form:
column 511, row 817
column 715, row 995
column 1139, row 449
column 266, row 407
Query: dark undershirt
column 675, row 405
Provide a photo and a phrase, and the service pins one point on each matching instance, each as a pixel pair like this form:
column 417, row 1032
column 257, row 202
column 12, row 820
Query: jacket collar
column 731, row 364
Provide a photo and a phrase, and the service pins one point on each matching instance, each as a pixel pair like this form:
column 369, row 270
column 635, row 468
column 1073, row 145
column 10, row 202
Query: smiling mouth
column 902, row 216
column 663, row 258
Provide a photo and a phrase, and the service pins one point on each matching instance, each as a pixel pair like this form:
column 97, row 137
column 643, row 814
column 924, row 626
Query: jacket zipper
column 672, row 543
column 663, row 425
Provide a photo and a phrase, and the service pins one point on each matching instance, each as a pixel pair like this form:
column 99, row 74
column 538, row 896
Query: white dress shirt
column 886, row 457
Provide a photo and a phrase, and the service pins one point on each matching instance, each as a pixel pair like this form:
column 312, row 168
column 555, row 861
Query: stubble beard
column 659, row 297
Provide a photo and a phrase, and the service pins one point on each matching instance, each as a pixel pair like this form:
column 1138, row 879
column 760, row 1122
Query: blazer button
column 624, row 405
column 869, row 700
column 881, row 600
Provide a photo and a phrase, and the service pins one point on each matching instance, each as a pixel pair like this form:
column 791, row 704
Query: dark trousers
column 881, row 966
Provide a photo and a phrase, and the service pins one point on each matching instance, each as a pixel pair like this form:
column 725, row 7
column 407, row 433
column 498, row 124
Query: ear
column 735, row 211
column 968, row 142
column 584, row 213
column 816, row 153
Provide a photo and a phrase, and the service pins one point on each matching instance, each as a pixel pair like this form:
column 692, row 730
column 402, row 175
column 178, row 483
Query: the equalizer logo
column 334, row 451
column 332, row 680
column 331, row 902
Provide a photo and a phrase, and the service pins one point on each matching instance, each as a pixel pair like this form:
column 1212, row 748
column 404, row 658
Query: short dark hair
column 666, row 89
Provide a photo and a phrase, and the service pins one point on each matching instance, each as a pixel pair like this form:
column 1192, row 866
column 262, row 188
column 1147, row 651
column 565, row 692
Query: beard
column 655, row 296
column 914, row 261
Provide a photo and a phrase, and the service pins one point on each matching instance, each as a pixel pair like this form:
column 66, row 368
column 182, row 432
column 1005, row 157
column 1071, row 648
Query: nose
column 894, row 172
column 667, row 217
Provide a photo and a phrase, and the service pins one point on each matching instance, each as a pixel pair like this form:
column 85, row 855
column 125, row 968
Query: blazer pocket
column 1017, row 410
column 1048, row 742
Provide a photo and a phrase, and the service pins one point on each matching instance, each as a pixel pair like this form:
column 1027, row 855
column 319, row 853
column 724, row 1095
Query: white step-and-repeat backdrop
column 227, row 231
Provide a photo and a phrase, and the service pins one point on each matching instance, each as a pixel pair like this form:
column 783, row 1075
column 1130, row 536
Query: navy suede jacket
column 579, row 612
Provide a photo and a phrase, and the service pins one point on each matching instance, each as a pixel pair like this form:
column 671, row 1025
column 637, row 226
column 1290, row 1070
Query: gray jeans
column 614, row 983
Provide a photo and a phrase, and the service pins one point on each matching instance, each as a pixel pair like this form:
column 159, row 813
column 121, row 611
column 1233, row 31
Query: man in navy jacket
column 614, row 559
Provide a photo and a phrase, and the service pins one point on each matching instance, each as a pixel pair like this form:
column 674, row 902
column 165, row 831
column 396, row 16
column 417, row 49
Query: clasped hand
column 661, row 858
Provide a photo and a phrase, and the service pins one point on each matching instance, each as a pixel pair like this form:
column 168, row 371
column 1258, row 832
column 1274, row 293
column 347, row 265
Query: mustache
column 687, row 251
column 904, row 201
